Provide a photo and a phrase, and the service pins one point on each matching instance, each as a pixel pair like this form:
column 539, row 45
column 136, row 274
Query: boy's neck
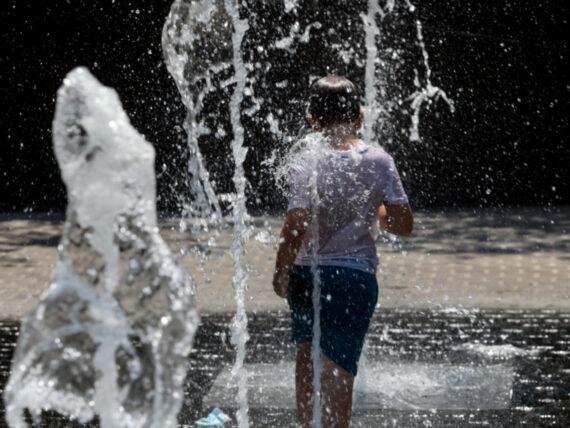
column 341, row 136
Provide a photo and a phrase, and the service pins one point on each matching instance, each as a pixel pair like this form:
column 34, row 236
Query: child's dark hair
column 334, row 99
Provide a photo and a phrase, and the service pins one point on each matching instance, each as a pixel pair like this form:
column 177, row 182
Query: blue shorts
column 348, row 299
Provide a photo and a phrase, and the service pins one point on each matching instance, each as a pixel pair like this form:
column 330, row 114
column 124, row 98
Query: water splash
column 372, row 31
column 241, row 230
column 427, row 93
column 199, row 41
column 110, row 336
column 291, row 5
column 316, row 297
column 507, row 351
column 364, row 369
column 200, row 50
column 181, row 31
column 295, row 36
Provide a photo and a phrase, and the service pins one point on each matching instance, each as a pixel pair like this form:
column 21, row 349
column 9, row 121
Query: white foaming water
column 392, row 385
column 240, row 335
column 495, row 351
column 110, row 336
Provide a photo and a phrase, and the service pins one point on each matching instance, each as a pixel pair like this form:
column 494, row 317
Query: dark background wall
column 504, row 63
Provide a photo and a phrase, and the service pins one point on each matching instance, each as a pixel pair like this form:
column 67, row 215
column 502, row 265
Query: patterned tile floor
column 534, row 345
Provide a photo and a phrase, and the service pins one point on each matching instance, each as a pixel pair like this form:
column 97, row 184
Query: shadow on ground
column 487, row 231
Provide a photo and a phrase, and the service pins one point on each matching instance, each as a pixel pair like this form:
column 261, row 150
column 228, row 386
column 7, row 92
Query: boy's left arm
column 396, row 218
column 294, row 228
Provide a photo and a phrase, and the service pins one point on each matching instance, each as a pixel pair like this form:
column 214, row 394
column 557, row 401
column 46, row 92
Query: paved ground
column 507, row 368
column 512, row 258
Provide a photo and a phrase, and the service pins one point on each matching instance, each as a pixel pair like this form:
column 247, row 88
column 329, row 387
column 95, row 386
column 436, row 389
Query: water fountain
column 196, row 28
column 240, row 216
column 178, row 41
column 205, row 45
column 109, row 339
column 110, row 336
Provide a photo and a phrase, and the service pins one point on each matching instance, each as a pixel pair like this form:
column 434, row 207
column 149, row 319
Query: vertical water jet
column 240, row 216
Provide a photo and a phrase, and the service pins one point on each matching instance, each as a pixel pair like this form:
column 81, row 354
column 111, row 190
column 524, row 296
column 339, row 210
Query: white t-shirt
column 351, row 185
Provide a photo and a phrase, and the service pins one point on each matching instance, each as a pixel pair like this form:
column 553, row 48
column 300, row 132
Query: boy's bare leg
column 336, row 389
column 304, row 384
column 336, row 393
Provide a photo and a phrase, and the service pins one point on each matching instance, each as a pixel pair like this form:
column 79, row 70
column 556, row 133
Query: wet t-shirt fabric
column 350, row 186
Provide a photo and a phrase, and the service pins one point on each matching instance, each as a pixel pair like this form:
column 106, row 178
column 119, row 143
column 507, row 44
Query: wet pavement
column 421, row 368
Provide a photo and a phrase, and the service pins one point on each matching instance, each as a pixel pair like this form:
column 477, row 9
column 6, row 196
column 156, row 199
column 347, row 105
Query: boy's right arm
column 294, row 228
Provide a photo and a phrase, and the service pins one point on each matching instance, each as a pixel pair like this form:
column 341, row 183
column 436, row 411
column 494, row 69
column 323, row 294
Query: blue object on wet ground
column 215, row 418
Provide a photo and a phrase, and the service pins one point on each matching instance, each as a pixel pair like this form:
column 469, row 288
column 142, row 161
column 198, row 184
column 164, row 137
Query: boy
column 358, row 187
